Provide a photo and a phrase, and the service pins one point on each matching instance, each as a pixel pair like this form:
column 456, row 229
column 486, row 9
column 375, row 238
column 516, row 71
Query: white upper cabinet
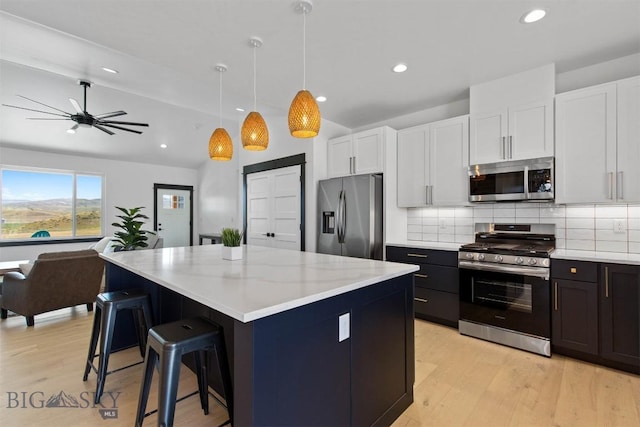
column 356, row 154
column 628, row 171
column 512, row 117
column 432, row 164
column 598, row 143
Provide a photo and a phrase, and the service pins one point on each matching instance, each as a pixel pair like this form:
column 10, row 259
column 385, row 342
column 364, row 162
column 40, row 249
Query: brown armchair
column 57, row 280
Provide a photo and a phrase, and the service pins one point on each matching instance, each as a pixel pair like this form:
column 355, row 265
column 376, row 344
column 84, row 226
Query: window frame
column 52, row 240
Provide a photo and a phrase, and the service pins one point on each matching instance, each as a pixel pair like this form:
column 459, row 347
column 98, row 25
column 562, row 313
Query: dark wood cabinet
column 596, row 312
column 575, row 315
column 620, row 313
column 436, row 283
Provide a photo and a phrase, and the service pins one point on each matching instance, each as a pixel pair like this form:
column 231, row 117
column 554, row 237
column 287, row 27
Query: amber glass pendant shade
column 220, row 145
column 254, row 133
column 304, row 116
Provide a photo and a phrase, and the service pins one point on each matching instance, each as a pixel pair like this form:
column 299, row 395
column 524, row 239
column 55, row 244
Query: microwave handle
column 526, row 183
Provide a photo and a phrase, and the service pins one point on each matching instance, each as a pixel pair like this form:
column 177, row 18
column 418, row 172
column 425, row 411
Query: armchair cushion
column 57, row 280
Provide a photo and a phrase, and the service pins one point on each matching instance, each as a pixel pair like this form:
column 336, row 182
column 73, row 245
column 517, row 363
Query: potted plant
column 231, row 240
column 132, row 235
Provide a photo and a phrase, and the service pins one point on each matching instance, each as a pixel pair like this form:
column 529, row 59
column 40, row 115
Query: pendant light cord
column 220, row 104
column 255, row 97
column 304, row 49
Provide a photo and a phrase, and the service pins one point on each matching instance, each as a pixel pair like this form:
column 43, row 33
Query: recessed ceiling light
column 163, row 145
column 400, row 68
column 532, row 16
column 240, row 109
column 110, row 70
column 321, row 98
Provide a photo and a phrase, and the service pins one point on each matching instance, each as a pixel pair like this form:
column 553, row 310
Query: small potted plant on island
column 231, row 240
column 132, row 236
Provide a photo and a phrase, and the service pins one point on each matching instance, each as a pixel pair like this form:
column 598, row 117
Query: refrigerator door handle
column 343, row 219
column 339, row 219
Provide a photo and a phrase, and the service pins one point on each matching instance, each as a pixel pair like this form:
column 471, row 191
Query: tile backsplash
column 607, row 228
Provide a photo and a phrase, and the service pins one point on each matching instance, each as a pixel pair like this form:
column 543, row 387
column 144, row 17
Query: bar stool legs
column 107, row 306
column 165, row 346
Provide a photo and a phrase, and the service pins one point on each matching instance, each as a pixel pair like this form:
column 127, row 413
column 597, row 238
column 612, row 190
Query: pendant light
column 254, row 133
column 220, row 144
column 304, row 114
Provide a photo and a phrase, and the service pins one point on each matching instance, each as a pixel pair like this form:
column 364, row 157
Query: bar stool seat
column 108, row 304
column 165, row 346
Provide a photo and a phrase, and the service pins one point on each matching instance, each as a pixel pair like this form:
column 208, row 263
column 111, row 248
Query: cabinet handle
column 417, row 255
column 619, row 186
column 610, row 174
column 606, row 282
column 431, row 194
column 510, row 147
column 426, row 194
column 424, row 276
column 421, row 300
column 504, row 148
column 555, row 295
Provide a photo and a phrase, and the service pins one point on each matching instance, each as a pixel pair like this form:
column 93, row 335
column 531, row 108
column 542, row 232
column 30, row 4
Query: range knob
column 469, row 255
column 499, row 258
column 533, row 261
column 519, row 260
column 481, row 257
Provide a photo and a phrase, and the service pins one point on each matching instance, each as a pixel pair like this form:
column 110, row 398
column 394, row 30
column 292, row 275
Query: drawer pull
column 421, row 300
column 424, row 276
column 417, row 255
column 573, row 270
column 606, row 282
column 555, row 291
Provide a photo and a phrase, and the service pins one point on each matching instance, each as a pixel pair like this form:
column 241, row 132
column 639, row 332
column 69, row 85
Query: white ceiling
column 166, row 51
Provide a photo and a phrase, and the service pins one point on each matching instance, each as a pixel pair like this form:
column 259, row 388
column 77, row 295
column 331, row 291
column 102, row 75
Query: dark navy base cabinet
column 291, row 369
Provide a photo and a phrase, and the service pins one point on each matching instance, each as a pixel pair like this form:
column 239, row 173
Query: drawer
column 422, row 256
column 437, row 305
column 582, row 271
column 437, row 277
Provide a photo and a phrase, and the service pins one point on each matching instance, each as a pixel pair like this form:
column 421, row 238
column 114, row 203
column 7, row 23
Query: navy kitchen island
column 312, row 339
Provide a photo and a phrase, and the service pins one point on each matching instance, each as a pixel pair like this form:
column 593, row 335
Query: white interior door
column 273, row 208
column 173, row 217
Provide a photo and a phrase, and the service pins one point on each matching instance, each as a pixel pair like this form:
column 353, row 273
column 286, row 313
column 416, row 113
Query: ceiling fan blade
column 113, row 114
column 49, row 106
column 123, row 123
column 44, row 118
column 76, row 106
column 37, row 111
column 119, row 127
column 103, row 129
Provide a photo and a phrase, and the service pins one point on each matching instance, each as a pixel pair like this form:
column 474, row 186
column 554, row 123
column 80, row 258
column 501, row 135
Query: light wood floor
column 460, row 381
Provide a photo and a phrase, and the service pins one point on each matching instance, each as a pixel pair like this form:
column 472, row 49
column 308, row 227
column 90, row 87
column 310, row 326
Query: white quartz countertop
column 266, row 281
column 444, row 246
column 596, row 256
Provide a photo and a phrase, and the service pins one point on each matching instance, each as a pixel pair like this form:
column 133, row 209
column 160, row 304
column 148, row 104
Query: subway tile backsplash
column 607, row 228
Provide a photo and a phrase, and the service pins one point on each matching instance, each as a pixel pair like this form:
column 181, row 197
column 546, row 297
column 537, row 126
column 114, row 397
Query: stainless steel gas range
column 504, row 285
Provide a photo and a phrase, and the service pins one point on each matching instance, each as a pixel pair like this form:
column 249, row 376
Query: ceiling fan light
column 304, row 116
column 220, row 145
column 254, row 132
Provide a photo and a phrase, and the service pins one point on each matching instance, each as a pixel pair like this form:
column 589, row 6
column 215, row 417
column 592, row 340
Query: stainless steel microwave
column 530, row 180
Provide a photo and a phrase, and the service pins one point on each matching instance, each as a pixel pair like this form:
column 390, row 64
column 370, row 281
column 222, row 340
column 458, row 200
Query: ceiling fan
column 82, row 117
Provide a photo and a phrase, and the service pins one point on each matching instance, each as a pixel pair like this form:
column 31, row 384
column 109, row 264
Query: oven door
column 511, row 301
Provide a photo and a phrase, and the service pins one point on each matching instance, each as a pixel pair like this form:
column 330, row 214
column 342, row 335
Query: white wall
column 220, row 183
column 127, row 184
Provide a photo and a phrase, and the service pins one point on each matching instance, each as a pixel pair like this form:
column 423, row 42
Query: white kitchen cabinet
column 512, row 117
column 432, row 164
column 597, row 150
column 356, row 154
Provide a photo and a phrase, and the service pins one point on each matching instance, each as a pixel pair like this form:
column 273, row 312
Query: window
column 55, row 204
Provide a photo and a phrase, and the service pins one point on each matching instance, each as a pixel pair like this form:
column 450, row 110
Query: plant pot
column 232, row 252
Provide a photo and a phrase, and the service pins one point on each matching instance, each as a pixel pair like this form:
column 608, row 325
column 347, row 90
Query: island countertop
column 266, row 281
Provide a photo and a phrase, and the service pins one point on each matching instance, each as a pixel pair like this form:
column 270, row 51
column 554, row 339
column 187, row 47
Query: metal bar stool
column 168, row 342
column 107, row 306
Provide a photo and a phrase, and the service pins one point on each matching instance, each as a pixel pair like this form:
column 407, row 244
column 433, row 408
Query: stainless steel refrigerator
column 350, row 216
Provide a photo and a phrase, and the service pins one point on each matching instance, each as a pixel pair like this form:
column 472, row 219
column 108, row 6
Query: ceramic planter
column 232, row 252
